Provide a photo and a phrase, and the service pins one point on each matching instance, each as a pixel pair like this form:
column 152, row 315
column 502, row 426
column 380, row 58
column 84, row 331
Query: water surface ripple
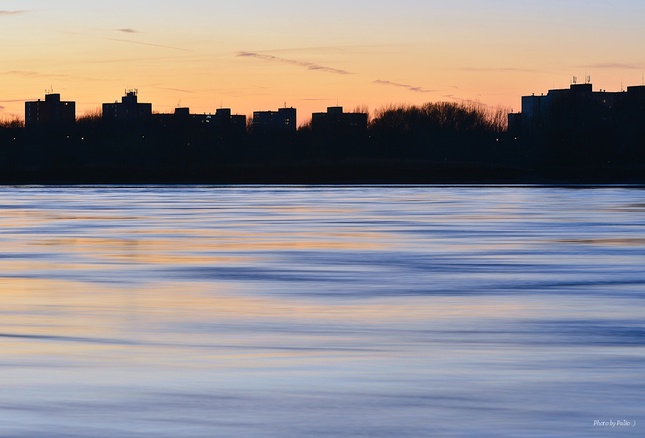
column 363, row 311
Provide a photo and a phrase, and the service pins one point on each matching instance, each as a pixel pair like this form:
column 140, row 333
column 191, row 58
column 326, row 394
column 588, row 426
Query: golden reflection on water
column 147, row 247
column 195, row 325
column 225, row 300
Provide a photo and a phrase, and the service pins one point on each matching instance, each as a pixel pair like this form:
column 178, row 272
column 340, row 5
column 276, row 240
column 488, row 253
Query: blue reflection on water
column 321, row 311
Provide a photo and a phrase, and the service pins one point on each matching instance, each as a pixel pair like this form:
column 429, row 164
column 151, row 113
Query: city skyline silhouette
column 575, row 132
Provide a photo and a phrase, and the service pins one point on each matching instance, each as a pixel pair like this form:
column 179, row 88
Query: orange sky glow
column 261, row 55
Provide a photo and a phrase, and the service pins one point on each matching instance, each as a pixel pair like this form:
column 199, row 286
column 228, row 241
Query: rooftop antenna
column 588, row 79
column 575, row 80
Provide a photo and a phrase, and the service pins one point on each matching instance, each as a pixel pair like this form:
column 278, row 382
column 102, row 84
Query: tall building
column 578, row 127
column 225, row 121
column 129, row 109
column 283, row 120
column 337, row 120
column 578, row 102
column 49, row 112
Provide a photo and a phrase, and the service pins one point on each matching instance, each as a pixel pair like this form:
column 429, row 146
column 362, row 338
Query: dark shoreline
column 350, row 174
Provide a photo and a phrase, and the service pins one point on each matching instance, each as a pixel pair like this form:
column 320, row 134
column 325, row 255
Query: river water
column 356, row 311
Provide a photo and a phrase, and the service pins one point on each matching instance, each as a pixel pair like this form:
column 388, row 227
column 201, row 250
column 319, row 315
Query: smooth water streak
column 321, row 311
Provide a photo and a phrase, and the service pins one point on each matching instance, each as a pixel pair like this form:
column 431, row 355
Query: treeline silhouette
column 444, row 132
column 436, row 142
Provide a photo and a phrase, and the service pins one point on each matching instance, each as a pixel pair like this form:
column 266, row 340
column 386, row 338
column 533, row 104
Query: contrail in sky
column 307, row 65
column 408, row 87
column 147, row 44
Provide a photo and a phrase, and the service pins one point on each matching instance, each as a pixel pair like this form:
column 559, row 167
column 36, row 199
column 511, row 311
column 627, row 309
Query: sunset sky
column 260, row 54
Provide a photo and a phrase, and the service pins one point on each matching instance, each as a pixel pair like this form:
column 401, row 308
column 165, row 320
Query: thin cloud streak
column 127, row 41
column 306, row 49
column 406, row 86
column 172, row 89
column 307, row 65
column 614, row 65
column 498, row 69
column 148, row 44
column 240, row 92
column 124, row 60
column 372, row 48
column 35, row 74
column 23, row 73
column 5, row 13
